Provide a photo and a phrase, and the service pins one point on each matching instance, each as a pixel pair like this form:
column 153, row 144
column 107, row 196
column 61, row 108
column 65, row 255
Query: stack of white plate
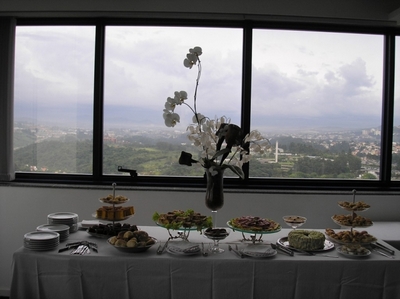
column 62, row 229
column 67, row 218
column 40, row 241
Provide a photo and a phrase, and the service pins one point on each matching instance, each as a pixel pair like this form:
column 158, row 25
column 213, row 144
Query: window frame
column 384, row 183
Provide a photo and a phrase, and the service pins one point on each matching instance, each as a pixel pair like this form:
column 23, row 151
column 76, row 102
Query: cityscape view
column 352, row 154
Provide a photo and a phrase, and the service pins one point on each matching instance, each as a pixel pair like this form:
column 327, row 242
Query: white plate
column 63, row 216
column 353, row 256
column 181, row 250
column 41, row 236
column 328, row 245
column 53, row 228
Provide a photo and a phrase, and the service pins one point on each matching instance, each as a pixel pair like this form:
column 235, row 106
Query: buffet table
column 110, row 273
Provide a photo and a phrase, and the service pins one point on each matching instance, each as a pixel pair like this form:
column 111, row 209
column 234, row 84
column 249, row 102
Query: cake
column 306, row 240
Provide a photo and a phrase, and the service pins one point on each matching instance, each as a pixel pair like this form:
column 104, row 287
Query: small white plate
column 188, row 250
column 353, row 256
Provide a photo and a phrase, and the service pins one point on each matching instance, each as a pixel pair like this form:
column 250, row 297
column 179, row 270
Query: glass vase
column 215, row 189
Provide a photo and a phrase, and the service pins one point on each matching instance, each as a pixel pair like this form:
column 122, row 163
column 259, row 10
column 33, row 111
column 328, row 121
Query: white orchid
column 192, row 57
column 208, row 135
column 170, row 119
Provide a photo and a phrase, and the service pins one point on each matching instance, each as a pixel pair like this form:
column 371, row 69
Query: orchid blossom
column 209, row 135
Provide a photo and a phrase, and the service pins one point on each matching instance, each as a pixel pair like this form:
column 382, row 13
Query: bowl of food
column 294, row 221
column 132, row 242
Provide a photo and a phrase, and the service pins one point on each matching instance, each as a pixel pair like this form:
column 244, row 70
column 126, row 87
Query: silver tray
column 328, row 245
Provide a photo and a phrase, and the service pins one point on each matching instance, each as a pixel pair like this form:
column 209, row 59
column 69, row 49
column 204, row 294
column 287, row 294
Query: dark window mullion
column 387, row 109
column 246, row 84
column 98, row 113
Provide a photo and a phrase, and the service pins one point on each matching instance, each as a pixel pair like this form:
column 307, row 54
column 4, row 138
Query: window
column 53, row 130
column 316, row 94
column 144, row 66
column 396, row 129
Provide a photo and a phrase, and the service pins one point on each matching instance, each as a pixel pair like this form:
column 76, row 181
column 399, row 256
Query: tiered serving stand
column 254, row 235
column 352, row 249
column 112, row 219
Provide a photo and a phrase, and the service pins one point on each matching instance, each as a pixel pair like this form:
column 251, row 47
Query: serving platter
column 356, row 206
column 113, row 202
column 253, row 233
column 328, row 245
column 341, row 250
column 344, row 225
column 133, row 249
column 347, row 243
column 248, row 231
column 108, row 219
column 181, row 232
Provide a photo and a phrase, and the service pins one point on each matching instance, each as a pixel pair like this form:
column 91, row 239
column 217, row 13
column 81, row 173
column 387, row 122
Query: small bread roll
column 113, row 240
column 150, row 241
column 120, row 243
column 131, row 243
column 128, row 235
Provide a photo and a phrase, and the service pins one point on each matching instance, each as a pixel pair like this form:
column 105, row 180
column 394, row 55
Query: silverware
column 236, row 251
column 383, row 247
column 81, row 250
column 194, row 248
column 383, row 254
column 282, row 248
column 161, row 251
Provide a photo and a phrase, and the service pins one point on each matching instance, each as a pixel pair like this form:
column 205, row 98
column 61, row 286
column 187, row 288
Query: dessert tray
column 254, row 226
column 117, row 200
column 351, row 221
column 139, row 248
column 110, row 219
column 350, row 237
column 107, row 230
column 328, row 245
column 182, row 221
column 353, row 252
column 181, row 232
column 354, row 206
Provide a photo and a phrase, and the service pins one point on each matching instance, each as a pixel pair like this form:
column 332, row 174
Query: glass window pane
column 143, row 67
column 53, row 129
column 318, row 97
column 396, row 122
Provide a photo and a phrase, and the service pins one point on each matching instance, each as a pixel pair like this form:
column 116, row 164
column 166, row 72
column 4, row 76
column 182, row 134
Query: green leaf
column 236, row 169
column 156, row 216
column 220, row 153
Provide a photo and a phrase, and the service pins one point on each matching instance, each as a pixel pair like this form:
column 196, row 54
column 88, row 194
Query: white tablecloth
column 114, row 274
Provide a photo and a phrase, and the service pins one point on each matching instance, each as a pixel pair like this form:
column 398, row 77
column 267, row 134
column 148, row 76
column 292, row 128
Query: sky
column 300, row 80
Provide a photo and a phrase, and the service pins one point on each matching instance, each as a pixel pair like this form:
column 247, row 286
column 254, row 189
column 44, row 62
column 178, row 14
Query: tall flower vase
column 215, row 191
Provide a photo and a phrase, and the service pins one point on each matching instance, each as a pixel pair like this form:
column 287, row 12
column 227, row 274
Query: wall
column 372, row 10
column 22, row 209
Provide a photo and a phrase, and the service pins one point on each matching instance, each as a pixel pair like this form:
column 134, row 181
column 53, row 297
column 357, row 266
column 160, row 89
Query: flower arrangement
column 209, row 135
